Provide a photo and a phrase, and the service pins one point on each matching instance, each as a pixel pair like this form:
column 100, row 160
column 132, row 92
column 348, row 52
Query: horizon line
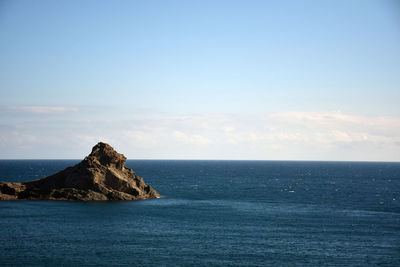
column 275, row 160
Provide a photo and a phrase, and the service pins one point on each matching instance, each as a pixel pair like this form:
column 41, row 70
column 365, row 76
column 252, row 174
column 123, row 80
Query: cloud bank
column 43, row 109
column 276, row 136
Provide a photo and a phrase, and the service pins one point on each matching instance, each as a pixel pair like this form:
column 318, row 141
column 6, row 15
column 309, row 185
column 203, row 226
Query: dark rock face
column 100, row 176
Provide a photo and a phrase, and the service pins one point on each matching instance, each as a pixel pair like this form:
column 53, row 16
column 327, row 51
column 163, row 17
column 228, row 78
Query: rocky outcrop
column 100, row 176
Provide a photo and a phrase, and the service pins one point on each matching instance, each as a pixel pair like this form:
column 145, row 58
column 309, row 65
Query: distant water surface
column 214, row 213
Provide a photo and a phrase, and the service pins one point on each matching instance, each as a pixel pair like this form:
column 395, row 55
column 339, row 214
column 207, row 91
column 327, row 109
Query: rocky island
column 100, row 176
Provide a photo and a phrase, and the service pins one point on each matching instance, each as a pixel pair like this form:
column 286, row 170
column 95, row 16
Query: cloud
column 18, row 138
column 44, row 109
column 142, row 138
column 289, row 135
column 193, row 139
column 330, row 127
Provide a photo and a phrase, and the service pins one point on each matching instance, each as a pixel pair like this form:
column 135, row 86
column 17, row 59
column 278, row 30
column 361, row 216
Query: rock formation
column 100, row 176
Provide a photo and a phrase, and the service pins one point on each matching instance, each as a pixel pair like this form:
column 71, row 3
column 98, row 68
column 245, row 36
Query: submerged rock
column 100, row 176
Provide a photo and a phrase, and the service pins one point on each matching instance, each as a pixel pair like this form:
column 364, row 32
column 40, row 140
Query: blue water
column 214, row 213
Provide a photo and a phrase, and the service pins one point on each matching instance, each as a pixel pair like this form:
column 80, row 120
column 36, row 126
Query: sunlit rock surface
column 100, row 176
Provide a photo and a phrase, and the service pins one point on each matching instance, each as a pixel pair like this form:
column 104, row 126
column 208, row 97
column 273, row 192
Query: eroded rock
column 100, row 176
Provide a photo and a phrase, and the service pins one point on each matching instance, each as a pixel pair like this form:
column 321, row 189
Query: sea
column 213, row 213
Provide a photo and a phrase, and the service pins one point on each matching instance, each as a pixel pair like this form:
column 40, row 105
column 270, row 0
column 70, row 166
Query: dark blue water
column 249, row 213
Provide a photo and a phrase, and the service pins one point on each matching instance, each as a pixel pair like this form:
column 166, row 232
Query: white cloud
column 294, row 135
column 44, row 109
column 18, row 138
column 141, row 138
column 193, row 139
column 229, row 129
column 337, row 119
column 332, row 127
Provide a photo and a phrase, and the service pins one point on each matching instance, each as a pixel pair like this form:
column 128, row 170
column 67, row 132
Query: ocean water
column 214, row 213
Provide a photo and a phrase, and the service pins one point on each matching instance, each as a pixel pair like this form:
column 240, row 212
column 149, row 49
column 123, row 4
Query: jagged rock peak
column 107, row 156
column 100, row 176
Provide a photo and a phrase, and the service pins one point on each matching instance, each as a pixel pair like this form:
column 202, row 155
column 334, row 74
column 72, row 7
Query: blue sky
column 291, row 80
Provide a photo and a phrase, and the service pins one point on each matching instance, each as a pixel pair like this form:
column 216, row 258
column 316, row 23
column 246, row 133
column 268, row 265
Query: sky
column 241, row 80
